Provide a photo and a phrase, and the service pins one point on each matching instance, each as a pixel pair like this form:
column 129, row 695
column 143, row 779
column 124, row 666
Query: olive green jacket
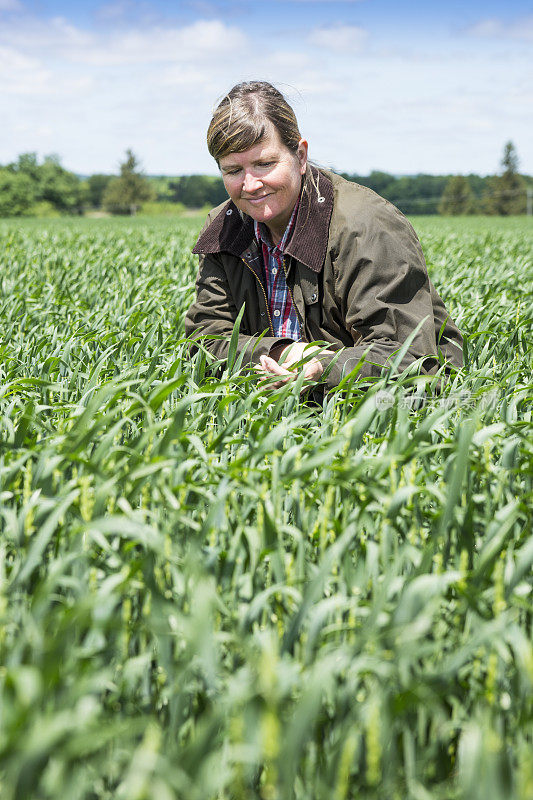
column 357, row 276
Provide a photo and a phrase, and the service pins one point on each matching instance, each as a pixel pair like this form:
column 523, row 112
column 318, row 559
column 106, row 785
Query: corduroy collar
column 232, row 232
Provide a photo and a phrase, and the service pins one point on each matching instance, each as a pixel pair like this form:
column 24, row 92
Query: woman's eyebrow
column 263, row 157
column 229, row 166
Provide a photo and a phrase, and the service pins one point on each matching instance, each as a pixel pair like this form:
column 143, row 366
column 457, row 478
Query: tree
column 59, row 186
column 27, row 164
column 507, row 192
column 379, row 181
column 51, row 182
column 125, row 194
column 195, row 191
column 16, row 193
column 457, row 197
column 510, row 159
column 97, row 184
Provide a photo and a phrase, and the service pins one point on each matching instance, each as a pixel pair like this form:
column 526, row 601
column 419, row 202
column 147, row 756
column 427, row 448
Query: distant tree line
column 30, row 187
column 502, row 194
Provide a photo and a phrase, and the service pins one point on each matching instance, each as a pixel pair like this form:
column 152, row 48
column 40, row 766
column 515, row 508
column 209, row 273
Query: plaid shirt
column 282, row 312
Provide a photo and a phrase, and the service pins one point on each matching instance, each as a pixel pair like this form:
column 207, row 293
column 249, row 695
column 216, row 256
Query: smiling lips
column 257, row 199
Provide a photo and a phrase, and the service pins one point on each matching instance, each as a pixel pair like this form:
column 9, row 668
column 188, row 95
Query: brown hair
column 242, row 117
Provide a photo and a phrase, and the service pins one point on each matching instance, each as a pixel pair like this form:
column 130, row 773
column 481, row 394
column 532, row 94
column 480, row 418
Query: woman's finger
column 271, row 366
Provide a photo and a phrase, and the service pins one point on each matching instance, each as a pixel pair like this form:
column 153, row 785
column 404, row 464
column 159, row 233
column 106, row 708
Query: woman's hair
column 242, row 117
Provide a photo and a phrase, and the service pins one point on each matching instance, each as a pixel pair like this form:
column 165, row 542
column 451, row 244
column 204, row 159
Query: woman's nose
column 251, row 183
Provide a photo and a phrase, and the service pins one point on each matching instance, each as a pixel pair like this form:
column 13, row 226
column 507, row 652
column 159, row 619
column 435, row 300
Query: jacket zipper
column 264, row 295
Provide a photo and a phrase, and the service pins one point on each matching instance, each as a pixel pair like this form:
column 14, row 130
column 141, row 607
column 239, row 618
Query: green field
column 209, row 591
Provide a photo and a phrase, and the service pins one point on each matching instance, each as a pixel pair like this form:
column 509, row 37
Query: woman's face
column 264, row 181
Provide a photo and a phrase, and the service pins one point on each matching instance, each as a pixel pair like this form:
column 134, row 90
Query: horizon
column 376, row 85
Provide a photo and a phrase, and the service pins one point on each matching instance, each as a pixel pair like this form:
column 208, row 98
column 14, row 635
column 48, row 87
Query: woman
column 311, row 257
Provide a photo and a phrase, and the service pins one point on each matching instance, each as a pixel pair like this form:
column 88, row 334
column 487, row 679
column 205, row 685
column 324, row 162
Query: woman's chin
column 265, row 212
column 264, row 216
column 261, row 215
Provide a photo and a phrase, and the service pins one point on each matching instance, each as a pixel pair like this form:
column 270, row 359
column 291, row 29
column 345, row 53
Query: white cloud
column 339, row 38
column 494, row 28
column 51, row 37
column 16, row 61
column 22, row 74
column 486, row 27
column 201, row 40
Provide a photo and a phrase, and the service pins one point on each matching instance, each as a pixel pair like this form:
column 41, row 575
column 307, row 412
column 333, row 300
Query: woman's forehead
column 270, row 143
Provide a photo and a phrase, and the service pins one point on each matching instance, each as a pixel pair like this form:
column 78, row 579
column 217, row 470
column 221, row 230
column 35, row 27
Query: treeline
column 502, row 194
column 30, row 187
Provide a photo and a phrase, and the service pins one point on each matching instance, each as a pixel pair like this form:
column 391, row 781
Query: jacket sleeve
column 213, row 314
column 383, row 293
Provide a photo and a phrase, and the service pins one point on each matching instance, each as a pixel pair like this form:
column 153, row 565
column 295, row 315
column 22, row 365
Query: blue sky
column 403, row 87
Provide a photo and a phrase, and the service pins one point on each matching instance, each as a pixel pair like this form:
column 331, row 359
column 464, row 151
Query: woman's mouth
column 257, row 200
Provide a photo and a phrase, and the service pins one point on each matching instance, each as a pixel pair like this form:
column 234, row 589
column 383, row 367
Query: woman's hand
column 292, row 355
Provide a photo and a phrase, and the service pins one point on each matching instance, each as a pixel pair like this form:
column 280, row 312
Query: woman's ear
column 302, row 155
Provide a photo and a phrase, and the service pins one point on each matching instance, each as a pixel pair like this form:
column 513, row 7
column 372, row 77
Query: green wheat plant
column 212, row 591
